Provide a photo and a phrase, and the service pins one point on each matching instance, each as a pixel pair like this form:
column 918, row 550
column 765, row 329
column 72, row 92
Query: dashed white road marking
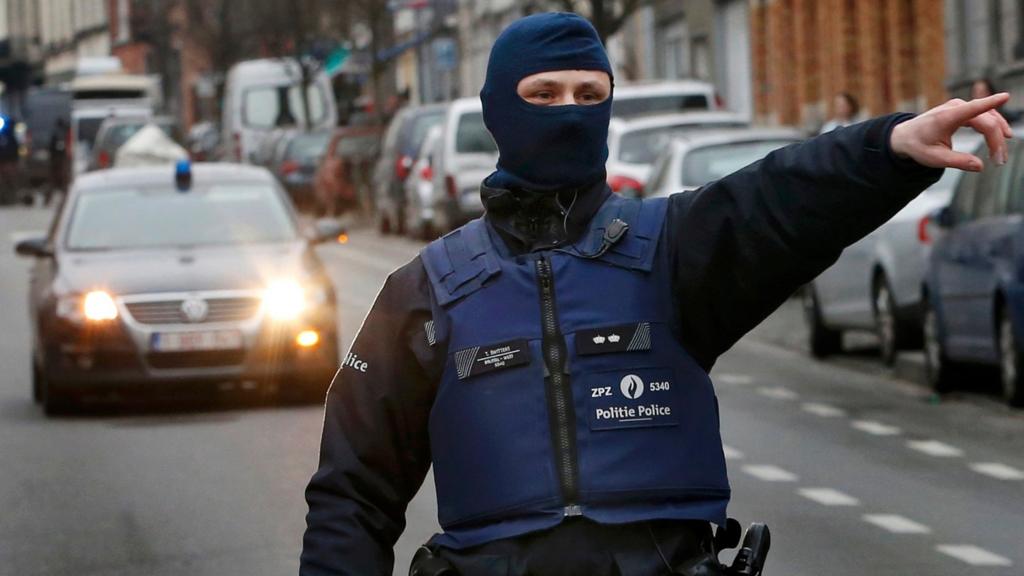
column 733, row 378
column 876, row 428
column 731, row 453
column 998, row 470
column 770, row 473
column 828, row 497
column 823, row 410
column 973, row 555
column 935, row 448
column 897, row 524
column 778, row 393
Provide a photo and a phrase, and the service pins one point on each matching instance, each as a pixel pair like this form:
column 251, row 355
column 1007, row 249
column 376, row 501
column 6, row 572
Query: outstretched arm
column 742, row 245
column 374, row 453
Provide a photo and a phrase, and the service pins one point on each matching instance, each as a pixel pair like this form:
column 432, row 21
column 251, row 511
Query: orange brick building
column 890, row 54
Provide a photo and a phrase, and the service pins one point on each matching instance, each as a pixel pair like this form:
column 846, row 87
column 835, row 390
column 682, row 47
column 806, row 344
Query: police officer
column 551, row 359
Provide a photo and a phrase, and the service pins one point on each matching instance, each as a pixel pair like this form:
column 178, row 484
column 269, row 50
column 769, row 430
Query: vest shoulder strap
column 636, row 250
column 460, row 262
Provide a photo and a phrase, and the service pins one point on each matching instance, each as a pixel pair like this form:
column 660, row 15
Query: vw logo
column 195, row 309
column 631, row 386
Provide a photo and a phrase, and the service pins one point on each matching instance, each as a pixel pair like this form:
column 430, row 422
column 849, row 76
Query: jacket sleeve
column 374, row 453
column 742, row 245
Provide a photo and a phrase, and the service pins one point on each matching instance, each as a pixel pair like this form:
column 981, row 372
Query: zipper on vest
column 559, row 393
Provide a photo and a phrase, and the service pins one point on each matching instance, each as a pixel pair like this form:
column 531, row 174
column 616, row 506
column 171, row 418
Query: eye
column 544, row 95
column 590, row 98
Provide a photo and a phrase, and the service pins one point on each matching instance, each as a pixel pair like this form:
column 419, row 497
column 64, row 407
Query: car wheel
column 887, row 326
column 938, row 368
column 823, row 341
column 1010, row 362
column 384, row 224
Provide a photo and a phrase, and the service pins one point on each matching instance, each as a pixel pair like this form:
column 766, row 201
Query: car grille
column 170, row 312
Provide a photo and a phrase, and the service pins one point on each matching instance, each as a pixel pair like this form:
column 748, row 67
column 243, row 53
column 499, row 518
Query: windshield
column 123, row 218
column 88, row 128
column 643, row 146
column 659, row 104
column 710, row 163
column 272, row 106
column 308, row 146
column 420, row 126
column 472, row 136
column 357, row 147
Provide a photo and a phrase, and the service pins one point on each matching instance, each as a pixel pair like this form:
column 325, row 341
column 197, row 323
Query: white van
column 94, row 98
column 263, row 95
column 465, row 154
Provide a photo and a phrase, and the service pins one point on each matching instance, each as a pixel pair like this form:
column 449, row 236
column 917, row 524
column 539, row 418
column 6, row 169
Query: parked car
column 43, row 107
column 402, row 141
column 875, row 285
column 272, row 145
column 634, row 144
column 419, row 188
column 116, row 130
column 262, row 95
column 663, row 98
column 344, row 178
column 974, row 294
column 155, row 279
column 697, row 158
column 295, row 162
column 466, row 154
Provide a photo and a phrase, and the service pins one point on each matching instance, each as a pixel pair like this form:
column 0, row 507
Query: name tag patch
column 482, row 359
column 622, row 338
column 635, row 398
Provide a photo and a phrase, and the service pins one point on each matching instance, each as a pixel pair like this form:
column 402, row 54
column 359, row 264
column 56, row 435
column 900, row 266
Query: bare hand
column 927, row 139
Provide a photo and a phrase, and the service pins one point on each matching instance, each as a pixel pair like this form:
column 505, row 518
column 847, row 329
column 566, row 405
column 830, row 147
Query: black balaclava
column 545, row 148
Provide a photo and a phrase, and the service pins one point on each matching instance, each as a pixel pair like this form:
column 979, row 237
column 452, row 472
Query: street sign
column 335, row 60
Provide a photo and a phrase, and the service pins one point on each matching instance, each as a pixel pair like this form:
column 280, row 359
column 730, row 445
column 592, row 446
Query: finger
column 941, row 157
column 991, row 129
column 1007, row 131
column 968, row 110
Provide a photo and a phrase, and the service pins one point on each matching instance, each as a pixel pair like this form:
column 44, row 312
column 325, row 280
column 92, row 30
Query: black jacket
column 741, row 245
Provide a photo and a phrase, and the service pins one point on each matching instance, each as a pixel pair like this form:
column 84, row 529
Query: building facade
column 889, row 54
column 985, row 39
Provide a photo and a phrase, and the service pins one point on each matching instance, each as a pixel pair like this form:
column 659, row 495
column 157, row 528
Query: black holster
column 426, row 563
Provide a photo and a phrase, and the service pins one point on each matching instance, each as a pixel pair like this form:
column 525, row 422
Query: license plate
column 188, row 341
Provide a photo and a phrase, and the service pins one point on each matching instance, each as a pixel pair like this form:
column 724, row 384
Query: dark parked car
column 402, row 141
column 151, row 280
column 43, row 108
column 295, row 162
column 974, row 286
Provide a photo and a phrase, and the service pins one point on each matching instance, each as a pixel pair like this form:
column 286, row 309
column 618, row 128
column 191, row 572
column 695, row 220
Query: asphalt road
column 856, row 472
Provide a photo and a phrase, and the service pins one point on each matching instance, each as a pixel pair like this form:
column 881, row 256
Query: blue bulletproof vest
column 566, row 390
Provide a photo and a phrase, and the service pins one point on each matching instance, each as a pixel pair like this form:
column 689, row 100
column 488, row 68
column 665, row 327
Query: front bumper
column 121, row 353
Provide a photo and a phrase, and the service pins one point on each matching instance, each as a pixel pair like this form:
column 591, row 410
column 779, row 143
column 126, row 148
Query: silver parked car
column 634, row 145
column 695, row 159
column 465, row 155
column 418, row 188
column 876, row 283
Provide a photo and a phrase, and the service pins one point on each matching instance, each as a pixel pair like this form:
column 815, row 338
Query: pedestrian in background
column 58, row 159
column 983, row 88
column 845, row 109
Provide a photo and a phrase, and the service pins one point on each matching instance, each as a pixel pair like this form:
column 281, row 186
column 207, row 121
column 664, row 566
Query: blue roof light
column 183, row 175
column 3, row 123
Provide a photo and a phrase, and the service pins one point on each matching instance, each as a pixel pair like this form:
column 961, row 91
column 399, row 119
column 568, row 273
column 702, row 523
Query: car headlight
column 94, row 306
column 99, row 306
column 284, row 300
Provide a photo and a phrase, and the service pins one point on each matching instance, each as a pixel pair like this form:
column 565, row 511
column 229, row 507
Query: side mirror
column 34, row 247
column 327, row 230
